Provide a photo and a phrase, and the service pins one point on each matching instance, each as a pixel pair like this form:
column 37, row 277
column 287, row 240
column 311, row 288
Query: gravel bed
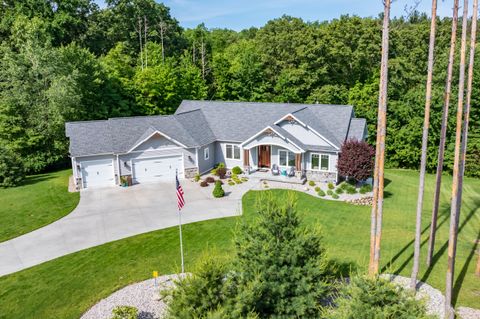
column 143, row 295
column 435, row 301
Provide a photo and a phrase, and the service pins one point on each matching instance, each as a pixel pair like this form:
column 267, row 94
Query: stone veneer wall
column 321, row 176
column 191, row 172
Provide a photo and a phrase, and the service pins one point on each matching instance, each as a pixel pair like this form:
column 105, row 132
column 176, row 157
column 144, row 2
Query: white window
column 233, row 152
column 286, row 158
column 320, row 162
column 206, row 153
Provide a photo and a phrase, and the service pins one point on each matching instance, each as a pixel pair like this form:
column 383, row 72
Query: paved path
column 105, row 215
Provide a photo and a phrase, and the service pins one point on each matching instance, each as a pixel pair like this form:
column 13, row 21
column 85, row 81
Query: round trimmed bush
column 321, row 193
column 203, row 183
column 339, row 190
column 124, row 312
column 221, row 172
column 330, row 192
column 237, row 170
column 335, row 196
column 365, row 189
column 317, row 189
column 218, row 190
column 311, row 183
column 210, row 179
column 351, row 190
column 197, row 177
column 330, row 185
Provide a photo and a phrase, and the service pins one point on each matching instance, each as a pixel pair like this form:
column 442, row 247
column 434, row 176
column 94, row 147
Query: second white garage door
column 147, row 170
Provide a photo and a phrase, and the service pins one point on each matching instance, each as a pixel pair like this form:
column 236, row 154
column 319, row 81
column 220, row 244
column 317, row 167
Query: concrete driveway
column 109, row 214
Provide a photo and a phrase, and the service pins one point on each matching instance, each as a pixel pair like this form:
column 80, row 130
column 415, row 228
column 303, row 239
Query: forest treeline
column 71, row 60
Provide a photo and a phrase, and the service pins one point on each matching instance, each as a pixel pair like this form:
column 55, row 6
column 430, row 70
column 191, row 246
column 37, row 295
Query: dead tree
column 423, row 160
column 456, row 200
column 377, row 207
column 163, row 29
column 443, row 133
column 203, row 58
column 139, row 31
column 145, row 26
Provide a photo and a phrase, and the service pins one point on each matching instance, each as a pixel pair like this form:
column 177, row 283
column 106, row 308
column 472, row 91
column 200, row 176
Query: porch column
column 298, row 162
column 246, row 160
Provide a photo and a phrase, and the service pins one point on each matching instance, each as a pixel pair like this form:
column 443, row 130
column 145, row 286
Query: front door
column 264, row 156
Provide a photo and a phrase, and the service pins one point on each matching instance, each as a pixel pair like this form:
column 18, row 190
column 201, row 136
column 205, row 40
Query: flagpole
column 181, row 244
column 180, row 226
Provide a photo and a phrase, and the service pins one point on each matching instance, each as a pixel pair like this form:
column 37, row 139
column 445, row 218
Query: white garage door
column 98, row 173
column 148, row 170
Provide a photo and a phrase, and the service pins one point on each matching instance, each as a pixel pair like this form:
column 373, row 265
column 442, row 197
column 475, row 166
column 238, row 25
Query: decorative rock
column 363, row 201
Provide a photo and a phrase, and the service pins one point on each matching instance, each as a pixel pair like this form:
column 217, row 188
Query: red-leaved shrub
column 356, row 160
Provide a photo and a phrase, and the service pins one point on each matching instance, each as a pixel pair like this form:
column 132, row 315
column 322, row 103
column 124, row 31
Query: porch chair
column 275, row 170
column 291, row 171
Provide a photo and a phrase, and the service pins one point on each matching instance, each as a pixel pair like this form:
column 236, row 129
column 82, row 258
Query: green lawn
column 40, row 200
column 68, row 286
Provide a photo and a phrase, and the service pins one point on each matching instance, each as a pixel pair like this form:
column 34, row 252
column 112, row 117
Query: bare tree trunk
column 456, row 201
column 377, row 214
column 203, row 59
column 140, row 39
column 145, row 44
column 443, row 133
column 466, row 114
column 193, row 52
column 163, row 28
column 423, row 160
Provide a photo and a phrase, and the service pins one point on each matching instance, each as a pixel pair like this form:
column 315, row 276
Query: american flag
column 180, row 199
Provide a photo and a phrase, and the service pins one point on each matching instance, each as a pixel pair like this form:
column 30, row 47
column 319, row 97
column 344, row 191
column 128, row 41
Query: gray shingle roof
column 196, row 123
column 289, row 136
column 358, row 129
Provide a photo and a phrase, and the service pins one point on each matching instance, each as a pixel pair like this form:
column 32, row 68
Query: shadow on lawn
column 34, row 179
column 444, row 213
column 444, row 247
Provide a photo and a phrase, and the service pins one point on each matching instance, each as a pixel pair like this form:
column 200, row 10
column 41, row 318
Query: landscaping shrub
column 213, row 171
column 12, row 171
column 219, row 165
column 376, row 298
column 221, row 172
column 204, row 184
column 311, row 183
column 196, row 295
column 356, row 159
column 321, row 193
column 335, row 196
column 237, row 170
column 343, row 185
column 330, row 192
column 231, row 183
column 365, row 188
column 218, row 190
column 317, row 189
column 330, row 185
column 351, row 190
column 197, row 177
column 210, row 179
column 339, row 190
column 124, row 312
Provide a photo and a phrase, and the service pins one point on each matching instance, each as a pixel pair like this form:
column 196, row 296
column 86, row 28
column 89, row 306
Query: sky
column 242, row 14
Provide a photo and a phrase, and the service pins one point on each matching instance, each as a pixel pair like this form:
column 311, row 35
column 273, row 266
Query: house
column 200, row 134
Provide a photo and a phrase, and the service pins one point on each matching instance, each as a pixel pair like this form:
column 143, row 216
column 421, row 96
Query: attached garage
column 97, row 173
column 157, row 169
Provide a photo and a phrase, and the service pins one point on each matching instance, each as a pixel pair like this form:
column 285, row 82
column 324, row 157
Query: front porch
column 266, row 175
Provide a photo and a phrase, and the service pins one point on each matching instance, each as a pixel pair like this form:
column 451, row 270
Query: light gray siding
column 206, row 165
column 304, row 134
column 126, row 159
column 77, row 161
column 156, row 142
column 332, row 162
column 221, row 155
column 266, row 139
